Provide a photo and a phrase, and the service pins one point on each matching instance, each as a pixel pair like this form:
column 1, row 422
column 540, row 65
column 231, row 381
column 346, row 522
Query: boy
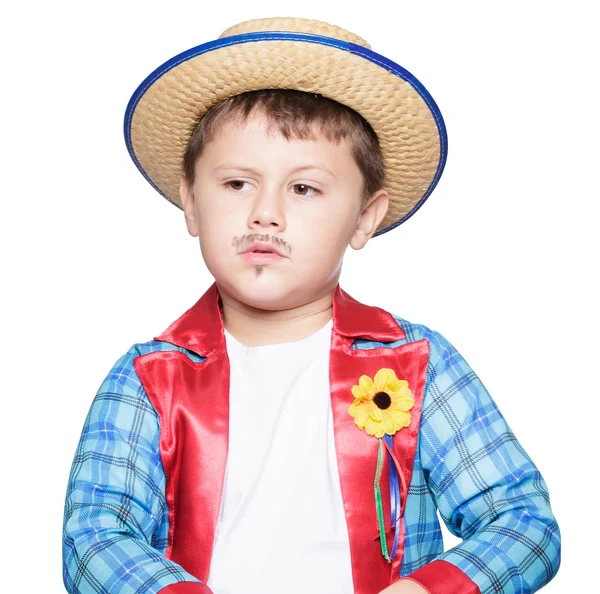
column 280, row 436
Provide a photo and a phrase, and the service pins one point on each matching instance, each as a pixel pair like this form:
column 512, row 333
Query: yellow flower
column 381, row 405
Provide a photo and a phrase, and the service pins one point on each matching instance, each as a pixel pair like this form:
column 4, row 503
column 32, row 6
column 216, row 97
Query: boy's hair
column 295, row 113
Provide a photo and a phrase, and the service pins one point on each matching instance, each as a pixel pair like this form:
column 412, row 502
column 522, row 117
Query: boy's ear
column 188, row 201
column 372, row 214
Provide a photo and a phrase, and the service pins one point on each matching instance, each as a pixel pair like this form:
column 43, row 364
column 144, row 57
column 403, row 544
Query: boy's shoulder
column 438, row 344
column 417, row 331
column 140, row 349
column 123, row 371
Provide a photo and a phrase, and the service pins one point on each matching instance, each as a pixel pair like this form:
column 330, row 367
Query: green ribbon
column 378, row 503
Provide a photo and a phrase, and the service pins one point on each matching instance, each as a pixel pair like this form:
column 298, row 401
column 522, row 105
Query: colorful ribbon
column 378, row 504
column 397, row 484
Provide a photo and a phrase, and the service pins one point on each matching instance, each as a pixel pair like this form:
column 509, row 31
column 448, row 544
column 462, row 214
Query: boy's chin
column 264, row 292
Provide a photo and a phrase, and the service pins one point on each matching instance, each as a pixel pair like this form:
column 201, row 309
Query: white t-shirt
column 282, row 528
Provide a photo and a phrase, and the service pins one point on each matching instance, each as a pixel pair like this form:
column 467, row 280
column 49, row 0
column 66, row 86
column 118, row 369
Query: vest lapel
column 192, row 401
column 356, row 450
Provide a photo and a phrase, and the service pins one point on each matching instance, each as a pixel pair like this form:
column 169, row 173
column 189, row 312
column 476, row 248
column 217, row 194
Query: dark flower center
column 382, row 400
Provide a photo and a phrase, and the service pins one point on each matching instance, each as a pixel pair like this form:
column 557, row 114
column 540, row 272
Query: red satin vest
column 192, row 401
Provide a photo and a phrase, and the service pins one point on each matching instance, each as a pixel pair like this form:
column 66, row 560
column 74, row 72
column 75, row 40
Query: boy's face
column 254, row 185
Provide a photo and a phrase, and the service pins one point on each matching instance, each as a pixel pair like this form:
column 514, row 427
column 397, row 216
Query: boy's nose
column 267, row 210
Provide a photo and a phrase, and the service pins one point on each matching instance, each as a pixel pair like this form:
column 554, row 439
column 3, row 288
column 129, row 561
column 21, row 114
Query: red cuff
column 441, row 577
column 186, row 588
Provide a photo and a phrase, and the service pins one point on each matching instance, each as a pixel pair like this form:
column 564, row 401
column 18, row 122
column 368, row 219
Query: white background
column 502, row 259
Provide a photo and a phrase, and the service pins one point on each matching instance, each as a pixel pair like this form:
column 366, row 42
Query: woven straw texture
column 169, row 109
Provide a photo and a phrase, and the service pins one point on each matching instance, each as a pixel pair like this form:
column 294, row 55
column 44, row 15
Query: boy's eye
column 305, row 187
column 238, row 184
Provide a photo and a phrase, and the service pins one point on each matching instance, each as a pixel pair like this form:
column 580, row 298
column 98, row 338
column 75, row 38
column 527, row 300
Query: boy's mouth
column 257, row 247
column 259, row 257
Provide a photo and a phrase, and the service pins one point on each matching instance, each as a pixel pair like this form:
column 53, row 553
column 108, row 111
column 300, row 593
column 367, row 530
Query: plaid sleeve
column 115, row 518
column 487, row 489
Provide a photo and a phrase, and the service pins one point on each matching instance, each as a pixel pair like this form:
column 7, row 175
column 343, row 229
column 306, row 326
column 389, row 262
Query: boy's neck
column 259, row 327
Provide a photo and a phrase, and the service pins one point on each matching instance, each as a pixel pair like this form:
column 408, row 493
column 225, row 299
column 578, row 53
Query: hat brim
column 167, row 105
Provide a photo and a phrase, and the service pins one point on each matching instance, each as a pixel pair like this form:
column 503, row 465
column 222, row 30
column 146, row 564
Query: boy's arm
column 486, row 487
column 114, row 527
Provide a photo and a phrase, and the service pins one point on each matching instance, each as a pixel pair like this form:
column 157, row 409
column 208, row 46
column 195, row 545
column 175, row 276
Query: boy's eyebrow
column 320, row 167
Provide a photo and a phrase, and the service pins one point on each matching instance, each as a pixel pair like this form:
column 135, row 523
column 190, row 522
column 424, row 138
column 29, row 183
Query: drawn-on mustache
column 241, row 243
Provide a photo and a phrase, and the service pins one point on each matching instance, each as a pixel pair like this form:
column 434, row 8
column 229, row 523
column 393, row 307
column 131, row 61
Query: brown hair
column 294, row 113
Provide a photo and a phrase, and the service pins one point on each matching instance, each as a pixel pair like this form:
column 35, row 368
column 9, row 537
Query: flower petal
column 402, row 419
column 366, row 383
column 395, row 385
column 388, row 423
column 359, row 392
column 375, row 411
column 382, row 377
column 404, row 404
column 360, row 413
column 373, row 427
column 357, row 402
column 405, row 391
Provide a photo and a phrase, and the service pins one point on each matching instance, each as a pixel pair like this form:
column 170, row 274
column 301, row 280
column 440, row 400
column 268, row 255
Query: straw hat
column 291, row 53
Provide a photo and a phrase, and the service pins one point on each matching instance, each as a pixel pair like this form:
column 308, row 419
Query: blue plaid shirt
column 468, row 464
